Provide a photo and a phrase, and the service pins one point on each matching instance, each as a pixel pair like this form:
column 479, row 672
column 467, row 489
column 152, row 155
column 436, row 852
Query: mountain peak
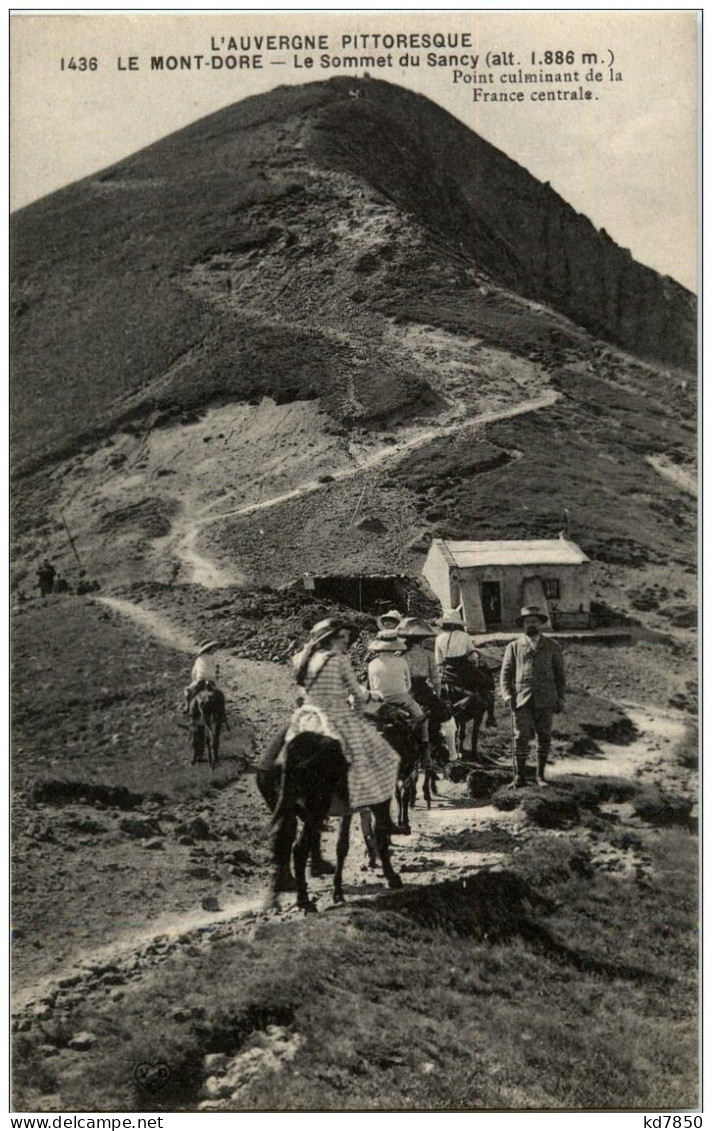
column 235, row 257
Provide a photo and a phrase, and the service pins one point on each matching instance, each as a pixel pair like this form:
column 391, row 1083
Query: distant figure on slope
column 533, row 686
column 61, row 585
column 45, row 576
column 204, row 674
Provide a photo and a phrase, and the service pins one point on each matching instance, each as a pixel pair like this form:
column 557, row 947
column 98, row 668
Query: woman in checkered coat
column 325, row 673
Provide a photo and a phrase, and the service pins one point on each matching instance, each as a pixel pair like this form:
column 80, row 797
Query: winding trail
column 265, row 691
column 683, row 478
column 201, row 570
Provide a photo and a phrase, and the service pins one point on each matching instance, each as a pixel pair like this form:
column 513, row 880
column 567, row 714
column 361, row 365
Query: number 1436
column 81, row 63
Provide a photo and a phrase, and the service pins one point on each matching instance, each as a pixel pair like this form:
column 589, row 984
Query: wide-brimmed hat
column 393, row 614
column 531, row 611
column 323, row 630
column 414, row 626
column 381, row 645
column 207, row 645
column 452, row 616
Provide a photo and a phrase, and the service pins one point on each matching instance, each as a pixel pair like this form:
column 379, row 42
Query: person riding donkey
column 426, row 681
column 389, row 677
column 533, row 686
column 204, row 675
column 464, row 672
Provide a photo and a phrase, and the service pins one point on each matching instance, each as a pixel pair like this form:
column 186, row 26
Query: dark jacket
column 533, row 673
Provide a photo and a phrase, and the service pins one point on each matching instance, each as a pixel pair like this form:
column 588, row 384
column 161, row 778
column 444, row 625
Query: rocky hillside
column 497, row 216
column 266, row 249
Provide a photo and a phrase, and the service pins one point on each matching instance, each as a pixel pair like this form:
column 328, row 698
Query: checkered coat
column 373, row 764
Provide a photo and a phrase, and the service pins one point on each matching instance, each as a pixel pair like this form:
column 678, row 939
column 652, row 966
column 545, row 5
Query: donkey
column 315, row 773
column 469, row 691
column 399, row 732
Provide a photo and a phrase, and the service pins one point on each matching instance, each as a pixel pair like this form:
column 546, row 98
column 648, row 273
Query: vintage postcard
column 354, row 563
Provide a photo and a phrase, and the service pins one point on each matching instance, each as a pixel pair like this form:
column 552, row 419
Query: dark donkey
column 402, row 733
column 207, row 717
column 315, row 773
column 468, row 688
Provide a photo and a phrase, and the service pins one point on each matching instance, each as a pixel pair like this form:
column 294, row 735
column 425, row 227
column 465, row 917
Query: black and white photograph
column 354, row 563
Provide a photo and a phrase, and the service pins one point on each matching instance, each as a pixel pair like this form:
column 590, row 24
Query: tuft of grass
column 546, row 863
column 33, row 1075
column 561, row 804
column 657, row 807
column 688, row 750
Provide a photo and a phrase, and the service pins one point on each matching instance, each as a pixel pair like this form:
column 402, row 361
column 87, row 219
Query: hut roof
column 552, row 551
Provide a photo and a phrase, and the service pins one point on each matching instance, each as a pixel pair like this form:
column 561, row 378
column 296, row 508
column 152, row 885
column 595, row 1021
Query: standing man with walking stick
column 533, row 687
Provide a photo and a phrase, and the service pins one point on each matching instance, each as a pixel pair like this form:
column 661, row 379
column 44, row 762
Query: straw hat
column 414, row 626
column 452, row 616
column 393, row 615
column 531, row 611
column 207, row 645
column 323, row 630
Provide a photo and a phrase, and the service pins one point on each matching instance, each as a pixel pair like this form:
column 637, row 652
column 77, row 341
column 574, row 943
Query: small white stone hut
column 490, row 581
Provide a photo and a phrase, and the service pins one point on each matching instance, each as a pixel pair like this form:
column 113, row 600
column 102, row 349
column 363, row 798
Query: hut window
column 552, row 588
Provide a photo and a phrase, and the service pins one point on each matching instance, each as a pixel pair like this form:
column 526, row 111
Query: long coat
column 373, row 764
column 533, row 673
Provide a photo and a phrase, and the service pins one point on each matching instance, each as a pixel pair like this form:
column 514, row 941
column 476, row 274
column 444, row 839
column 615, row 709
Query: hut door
column 492, row 602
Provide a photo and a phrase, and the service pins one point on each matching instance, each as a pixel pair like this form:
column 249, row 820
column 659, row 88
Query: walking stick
column 71, row 540
column 514, row 745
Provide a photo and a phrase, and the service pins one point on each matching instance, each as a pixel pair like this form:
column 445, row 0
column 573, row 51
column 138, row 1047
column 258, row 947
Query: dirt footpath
column 459, row 835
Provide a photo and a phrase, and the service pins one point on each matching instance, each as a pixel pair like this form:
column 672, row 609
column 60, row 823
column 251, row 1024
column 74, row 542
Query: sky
column 627, row 158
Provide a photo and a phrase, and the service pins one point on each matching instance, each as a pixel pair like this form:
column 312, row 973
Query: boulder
column 456, row 772
column 197, row 828
column 367, row 264
column 548, row 808
column 506, row 798
column 552, row 809
column 658, row 808
column 239, row 856
column 215, row 1062
column 137, row 827
column 682, row 616
column 81, row 1042
column 420, row 544
column 483, row 783
column 372, row 525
